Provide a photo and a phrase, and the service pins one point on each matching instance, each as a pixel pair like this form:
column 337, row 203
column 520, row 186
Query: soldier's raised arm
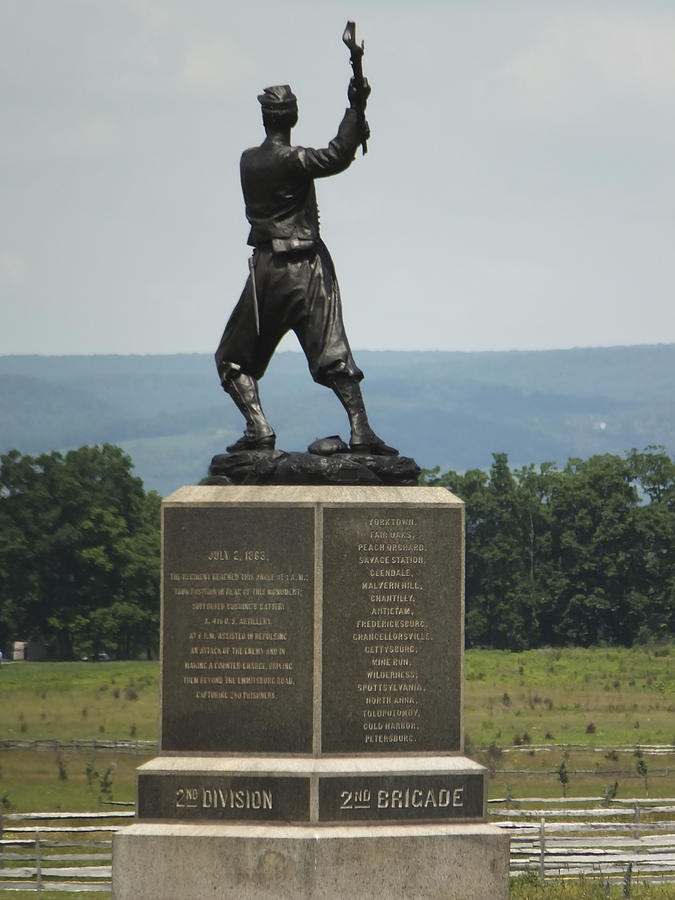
column 353, row 130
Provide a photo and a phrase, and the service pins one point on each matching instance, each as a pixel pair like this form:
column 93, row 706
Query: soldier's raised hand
column 358, row 98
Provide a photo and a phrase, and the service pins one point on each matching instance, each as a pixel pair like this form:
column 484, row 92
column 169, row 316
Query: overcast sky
column 518, row 192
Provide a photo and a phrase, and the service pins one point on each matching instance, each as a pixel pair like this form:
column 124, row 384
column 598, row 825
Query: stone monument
column 311, row 712
column 312, row 635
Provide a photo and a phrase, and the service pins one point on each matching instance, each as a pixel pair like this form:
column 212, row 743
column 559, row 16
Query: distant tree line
column 79, row 553
column 579, row 555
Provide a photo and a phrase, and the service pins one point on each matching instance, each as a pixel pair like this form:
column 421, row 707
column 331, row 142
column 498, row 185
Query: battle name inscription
column 392, row 630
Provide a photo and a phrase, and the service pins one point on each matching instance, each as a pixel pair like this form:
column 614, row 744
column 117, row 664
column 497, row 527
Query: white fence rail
column 58, row 851
column 645, row 749
column 89, row 745
column 630, row 839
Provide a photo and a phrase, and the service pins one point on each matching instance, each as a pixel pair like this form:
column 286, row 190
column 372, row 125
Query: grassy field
column 520, row 890
column 62, row 701
column 571, row 696
column 600, row 696
column 605, row 697
column 530, row 888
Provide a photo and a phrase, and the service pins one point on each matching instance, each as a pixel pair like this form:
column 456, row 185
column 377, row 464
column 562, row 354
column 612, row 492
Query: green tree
column 597, row 549
column 79, row 552
column 654, row 473
column 507, row 534
column 576, row 556
column 563, row 776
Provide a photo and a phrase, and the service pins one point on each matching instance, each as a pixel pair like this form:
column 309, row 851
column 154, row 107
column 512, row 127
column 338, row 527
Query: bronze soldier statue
column 292, row 283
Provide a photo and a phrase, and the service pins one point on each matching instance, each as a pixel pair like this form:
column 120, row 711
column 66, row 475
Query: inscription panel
column 230, row 798
column 392, row 630
column 402, row 798
column 237, row 629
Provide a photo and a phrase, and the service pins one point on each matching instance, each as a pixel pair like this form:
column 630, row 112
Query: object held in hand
column 362, row 86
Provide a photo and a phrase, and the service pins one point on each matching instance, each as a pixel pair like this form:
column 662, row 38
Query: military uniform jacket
column 278, row 185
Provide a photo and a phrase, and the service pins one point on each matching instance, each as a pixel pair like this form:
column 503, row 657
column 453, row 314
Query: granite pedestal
column 311, row 712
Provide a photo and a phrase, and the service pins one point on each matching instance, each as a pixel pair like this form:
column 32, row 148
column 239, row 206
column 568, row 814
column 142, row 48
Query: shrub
column 61, row 766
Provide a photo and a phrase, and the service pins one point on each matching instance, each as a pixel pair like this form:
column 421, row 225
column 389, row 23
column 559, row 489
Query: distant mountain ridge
column 449, row 409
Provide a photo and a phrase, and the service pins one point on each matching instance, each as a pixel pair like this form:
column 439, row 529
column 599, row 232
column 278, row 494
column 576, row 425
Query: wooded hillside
column 448, row 409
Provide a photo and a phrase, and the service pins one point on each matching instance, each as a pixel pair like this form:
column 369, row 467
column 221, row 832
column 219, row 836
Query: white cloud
column 213, row 66
column 13, row 268
column 91, row 138
column 577, row 62
column 520, row 165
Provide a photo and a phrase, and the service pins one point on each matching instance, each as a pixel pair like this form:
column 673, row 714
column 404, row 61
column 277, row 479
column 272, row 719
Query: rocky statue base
column 280, row 467
column 311, row 741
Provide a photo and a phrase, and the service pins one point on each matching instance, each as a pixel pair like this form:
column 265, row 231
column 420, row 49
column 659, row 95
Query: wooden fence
column 627, row 840
column 645, row 749
column 58, row 851
column 136, row 746
column 89, row 745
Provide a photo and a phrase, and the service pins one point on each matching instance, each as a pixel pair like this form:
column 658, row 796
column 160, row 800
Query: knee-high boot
column 363, row 439
column 258, row 434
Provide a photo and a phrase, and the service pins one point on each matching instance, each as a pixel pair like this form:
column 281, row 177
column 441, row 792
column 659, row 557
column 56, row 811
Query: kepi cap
column 279, row 98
